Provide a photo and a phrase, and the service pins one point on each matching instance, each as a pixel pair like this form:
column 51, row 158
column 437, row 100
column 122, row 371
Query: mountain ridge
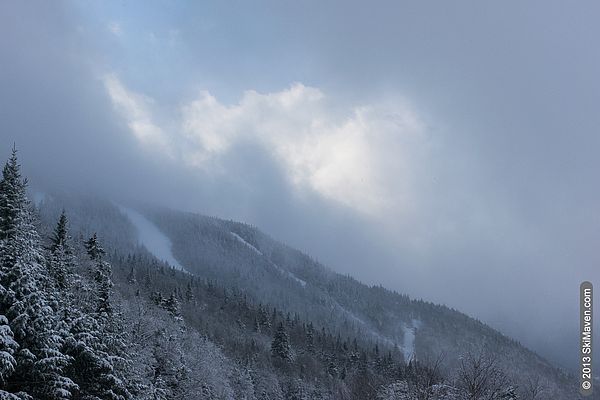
column 239, row 255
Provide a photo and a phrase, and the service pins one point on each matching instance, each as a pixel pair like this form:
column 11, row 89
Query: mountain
column 342, row 339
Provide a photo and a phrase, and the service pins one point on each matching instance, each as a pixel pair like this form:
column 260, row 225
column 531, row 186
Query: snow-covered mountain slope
column 239, row 256
column 151, row 237
column 206, row 246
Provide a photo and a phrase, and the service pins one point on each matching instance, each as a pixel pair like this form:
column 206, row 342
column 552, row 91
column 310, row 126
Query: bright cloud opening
column 363, row 158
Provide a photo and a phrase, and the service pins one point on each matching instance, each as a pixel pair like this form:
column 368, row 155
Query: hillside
column 244, row 278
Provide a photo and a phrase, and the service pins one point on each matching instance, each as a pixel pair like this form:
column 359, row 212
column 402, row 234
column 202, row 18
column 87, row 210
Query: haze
column 445, row 150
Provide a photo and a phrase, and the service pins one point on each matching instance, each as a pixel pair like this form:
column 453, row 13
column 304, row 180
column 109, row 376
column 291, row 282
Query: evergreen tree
column 39, row 367
column 94, row 250
column 280, row 346
column 157, row 298
column 310, row 338
column 12, row 198
column 101, row 277
column 172, row 305
column 189, row 293
column 100, row 349
column 93, row 367
column 61, row 261
column 104, row 284
column 60, row 236
column 131, row 277
column 8, row 347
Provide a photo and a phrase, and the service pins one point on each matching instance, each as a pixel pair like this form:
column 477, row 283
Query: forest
column 79, row 320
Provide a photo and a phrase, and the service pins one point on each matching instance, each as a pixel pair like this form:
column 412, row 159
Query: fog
column 448, row 151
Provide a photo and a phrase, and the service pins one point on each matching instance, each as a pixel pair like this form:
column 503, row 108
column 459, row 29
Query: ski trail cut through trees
column 277, row 267
column 409, row 338
column 242, row 240
column 152, row 238
column 369, row 329
column 408, row 330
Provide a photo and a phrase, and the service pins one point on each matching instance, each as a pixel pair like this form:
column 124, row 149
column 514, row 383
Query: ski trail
column 152, row 238
column 408, row 343
column 277, row 267
column 243, row 241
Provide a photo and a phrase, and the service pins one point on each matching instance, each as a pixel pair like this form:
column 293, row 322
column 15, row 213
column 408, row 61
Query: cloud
column 115, row 28
column 135, row 109
column 501, row 197
column 346, row 156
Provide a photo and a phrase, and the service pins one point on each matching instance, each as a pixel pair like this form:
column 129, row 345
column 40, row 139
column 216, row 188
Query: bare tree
column 424, row 375
column 482, row 379
column 534, row 388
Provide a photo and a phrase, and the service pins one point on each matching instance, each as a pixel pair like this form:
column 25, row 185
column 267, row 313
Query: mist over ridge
column 446, row 153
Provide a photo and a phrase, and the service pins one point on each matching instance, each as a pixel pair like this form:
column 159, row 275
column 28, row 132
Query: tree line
column 78, row 321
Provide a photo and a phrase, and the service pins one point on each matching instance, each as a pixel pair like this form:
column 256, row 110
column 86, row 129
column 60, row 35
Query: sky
column 447, row 150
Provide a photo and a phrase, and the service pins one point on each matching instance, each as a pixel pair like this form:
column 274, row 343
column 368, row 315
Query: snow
column 294, row 277
column 288, row 273
column 152, row 238
column 367, row 326
column 242, row 240
column 277, row 267
column 409, row 330
column 351, row 315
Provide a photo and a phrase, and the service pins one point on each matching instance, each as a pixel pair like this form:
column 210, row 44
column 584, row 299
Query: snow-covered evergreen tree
column 102, row 278
column 93, row 366
column 280, row 346
column 189, row 293
column 172, row 306
column 61, row 261
column 131, row 277
column 40, row 364
column 104, row 285
column 8, row 347
column 60, row 236
column 94, row 250
column 96, row 343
